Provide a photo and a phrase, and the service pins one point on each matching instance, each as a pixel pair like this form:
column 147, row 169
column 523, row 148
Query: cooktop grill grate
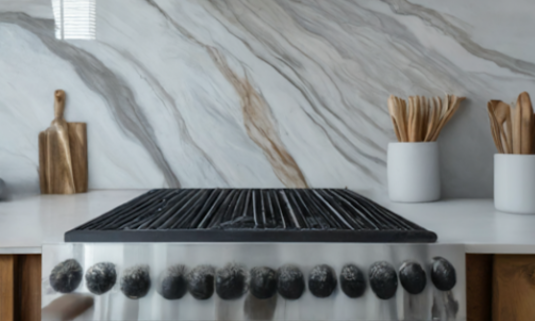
column 250, row 215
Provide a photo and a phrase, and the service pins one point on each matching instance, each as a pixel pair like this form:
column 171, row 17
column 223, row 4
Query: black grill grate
column 249, row 215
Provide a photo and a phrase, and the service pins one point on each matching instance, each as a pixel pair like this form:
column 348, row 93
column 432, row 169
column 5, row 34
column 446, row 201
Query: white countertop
column 28, row 222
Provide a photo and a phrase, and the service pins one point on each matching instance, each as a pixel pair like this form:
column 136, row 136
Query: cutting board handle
column 59, row 103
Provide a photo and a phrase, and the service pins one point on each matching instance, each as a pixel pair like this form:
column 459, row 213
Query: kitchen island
column 499, row 246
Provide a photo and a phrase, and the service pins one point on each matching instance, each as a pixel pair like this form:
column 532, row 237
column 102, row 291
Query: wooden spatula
column 451, row 104
column 502, row 114
column 402, row 119
column 527, row 119
column 391, row 110
column 494, row 128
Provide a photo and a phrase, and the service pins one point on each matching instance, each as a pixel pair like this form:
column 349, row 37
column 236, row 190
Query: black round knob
column 101, row 277
column 290, row 282
column 352, row 281
column 66, row 276
column 172, row 282
column 263, row 282
column 383, row 280
column 412, row 277
column 443, row 274
column 322, row 281
column 231, row 282
column 201, row 282
column 135, row 282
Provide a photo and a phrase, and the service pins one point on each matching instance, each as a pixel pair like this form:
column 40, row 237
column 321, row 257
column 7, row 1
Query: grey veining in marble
column 247, row 93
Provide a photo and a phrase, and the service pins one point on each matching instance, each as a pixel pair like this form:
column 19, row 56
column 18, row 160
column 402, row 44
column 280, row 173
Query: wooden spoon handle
column 391, row 110
column 517, row 128
column 527, row 114
column 494, row 129
column 431, row 120
column 59, row 103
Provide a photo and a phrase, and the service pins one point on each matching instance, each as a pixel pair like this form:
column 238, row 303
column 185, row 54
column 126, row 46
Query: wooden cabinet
column 20, row 287
column 500, row 287
column 513, row 288
column 479, row 287
column 7, row 287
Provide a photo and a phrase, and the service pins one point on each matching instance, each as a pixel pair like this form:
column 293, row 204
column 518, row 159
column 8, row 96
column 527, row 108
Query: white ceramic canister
column 514, row 183
column 413, row 172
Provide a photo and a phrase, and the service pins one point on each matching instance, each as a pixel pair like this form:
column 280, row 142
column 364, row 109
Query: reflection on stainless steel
column 445, row 306
column 67, row 307
column 74, row 19
column 257, row 309
column 114, row 305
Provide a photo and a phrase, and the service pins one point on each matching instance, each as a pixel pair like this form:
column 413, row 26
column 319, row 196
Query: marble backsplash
column 259, row 93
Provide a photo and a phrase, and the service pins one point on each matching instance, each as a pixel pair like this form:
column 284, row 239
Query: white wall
column 264, row 93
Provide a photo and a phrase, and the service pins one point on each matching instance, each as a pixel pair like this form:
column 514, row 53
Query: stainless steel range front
column 323, row 269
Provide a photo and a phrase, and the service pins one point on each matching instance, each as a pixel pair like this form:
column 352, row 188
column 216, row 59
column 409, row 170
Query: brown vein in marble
column 312, row 96
column 260, row 127
column 113, row 89
column 257, row 116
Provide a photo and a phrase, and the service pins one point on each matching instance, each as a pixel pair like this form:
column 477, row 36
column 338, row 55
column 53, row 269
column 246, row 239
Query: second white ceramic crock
column 413, row 172
column 514, row 183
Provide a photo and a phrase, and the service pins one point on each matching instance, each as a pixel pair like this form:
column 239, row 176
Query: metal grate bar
column 213, row 209
column 119, row 211
column 246, row 209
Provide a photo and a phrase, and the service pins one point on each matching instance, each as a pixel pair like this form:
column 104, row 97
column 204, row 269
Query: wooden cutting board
column 63, row 153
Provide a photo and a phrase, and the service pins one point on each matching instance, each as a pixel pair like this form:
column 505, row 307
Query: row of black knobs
column 232, row 281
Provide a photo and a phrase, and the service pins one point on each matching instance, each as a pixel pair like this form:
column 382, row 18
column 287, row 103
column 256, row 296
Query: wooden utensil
column 401, row 111
column 494, row 128
column 423, row 119
column 63, row 153
column 451, row 104
column 391, row 110
column 431, row 120
column 527, row 116
column 517, row 128
column 502, row 114
column 424, row 108
column 412, row 120
column 533, row 134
